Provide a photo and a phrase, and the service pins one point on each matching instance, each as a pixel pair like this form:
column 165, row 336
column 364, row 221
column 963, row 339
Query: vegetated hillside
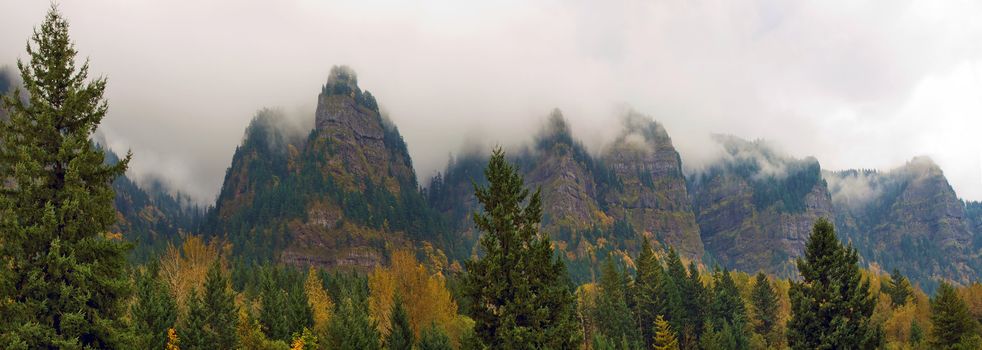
column 150, row 216
column 756, row 207
column 591, row 205
column 911, row 219
column 340, row 197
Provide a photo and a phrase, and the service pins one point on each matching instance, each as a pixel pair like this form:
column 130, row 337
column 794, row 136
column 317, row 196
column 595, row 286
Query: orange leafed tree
column 188, row 266
column 423, row 293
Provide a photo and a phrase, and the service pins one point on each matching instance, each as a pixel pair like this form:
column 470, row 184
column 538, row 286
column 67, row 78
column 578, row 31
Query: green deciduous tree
column 831, row 306
column 521, row 295
column 63, row 277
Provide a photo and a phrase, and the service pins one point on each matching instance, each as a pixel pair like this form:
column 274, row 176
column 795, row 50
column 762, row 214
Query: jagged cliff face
column 756, row 208
column 562, row 169
column 908, row 218
column 652, row 195
column 592, row 205
column 338, row 198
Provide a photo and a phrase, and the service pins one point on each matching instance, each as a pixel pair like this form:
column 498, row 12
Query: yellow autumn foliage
column 187, row 266
column 320, row 302
column 424, row 295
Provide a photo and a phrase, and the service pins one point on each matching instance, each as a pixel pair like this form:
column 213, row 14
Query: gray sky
column 854, row 83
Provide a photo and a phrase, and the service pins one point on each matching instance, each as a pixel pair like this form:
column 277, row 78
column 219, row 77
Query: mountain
column 339, row 190
column 652, row 193
column 911, row 219
column 149, row 215
column 338, row 198
column 592, row 205
column 756, row 207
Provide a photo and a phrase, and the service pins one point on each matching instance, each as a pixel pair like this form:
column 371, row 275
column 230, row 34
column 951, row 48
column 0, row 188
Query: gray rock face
column 654, row 197
column 751, row 220
column 912, row 220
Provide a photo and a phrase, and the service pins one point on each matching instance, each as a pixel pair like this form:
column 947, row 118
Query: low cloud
column 856, row 84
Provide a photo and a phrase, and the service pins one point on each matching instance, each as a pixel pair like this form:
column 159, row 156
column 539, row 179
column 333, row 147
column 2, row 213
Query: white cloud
column 854, row 83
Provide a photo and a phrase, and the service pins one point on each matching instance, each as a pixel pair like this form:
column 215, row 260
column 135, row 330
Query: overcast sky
column 854, row 83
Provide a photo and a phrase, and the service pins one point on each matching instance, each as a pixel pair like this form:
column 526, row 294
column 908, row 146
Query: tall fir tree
column 221, row 314
column 401, row 336
column 351, row 328
column 648, row 303
column 519, row 289
column 274, row 309
column 831, row 305
column 898, row 288
column 614, row 319
column 434, row 338
column 155, row 309
column 665, row 338
column 673, row 291
column 764, row 301
column 63, row 276
column 953, row 324
column 696, row 301
column 728, row 316
column 192, row 332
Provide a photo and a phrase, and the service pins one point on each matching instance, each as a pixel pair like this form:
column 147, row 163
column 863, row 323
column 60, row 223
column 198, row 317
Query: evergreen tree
column 601, row 342
column 898, row 288
column 434, row 338
column 665, row 338
column 155, row 310
column 696, row 300
column 613, row 317
column 63, row 277
column 299, row 313
column 728, row 312
column 672, row 291
column 192, row 333
column 401, row 335
column 221, row 314
column 351, row 329
column 764, row 302
column 273, row 310
column 952, row 321
column 648, row 304
column 520, row 292
column 831, row 306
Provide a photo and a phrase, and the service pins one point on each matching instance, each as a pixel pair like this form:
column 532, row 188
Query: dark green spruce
column 63, row 279
column 155, row 309
column 831, row 305
column 521, row 295
column 401, row 336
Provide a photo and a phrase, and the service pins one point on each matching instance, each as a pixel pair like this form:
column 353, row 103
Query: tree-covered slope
column 908, row 218
column 592, row 205
column 755, row 207
column 341, row 196
column 149, row 215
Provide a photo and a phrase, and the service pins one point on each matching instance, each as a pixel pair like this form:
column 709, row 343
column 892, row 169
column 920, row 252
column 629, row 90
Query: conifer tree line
column 65, row 282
